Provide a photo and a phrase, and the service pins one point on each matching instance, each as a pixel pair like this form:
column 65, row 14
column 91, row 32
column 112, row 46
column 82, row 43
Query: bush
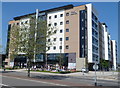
column 9, row 68
column 65, row 72
column 15, row 67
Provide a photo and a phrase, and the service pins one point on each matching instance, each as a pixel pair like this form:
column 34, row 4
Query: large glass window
column 94, row 17
column 95, row 33
column 94, row 49
column 94, row 41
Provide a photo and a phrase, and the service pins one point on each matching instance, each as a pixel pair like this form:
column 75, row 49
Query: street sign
column 95, row 67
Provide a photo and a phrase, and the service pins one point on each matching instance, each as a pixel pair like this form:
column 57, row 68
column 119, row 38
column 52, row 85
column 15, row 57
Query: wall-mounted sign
column 73, row 13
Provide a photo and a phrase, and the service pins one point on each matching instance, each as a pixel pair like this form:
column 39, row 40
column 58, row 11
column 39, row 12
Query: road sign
column 95, row 67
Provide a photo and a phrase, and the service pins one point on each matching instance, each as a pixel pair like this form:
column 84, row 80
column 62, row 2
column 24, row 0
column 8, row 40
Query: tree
column 61, row 60
column 104, row 63
column 14, row 41
column 32, row 39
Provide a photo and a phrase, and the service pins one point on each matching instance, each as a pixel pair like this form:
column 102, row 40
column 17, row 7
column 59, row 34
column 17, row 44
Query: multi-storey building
column 101, row 42
column 77, row 36
column 106, row 42
column 114, row 54
column 107, row 45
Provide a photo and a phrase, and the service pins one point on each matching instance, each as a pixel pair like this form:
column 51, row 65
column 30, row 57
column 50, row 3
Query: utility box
column 80, row 64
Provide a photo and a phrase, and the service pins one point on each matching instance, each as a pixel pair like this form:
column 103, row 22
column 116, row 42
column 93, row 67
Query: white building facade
column 114, row 53
column 93, row 34
column 56, row 19
column 77, row 34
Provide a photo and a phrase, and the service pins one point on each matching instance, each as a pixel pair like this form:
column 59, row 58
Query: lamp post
column 95, row 67
column 95, row 76
column 60, row 53
column 83, row 59
column 37, row 13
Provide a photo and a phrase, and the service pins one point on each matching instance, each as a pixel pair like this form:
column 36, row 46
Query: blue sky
column 108, row 13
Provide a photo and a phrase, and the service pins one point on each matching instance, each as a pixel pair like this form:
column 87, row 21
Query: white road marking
column 3, row 84
column 36, row 81
column 6, row 85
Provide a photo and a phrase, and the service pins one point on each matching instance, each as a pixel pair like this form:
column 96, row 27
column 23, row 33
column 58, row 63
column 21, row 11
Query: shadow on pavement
column 49, row 77
column 6, row 71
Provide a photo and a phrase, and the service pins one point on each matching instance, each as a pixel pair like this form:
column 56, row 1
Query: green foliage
column 14, row 41
column 104, row 63
column 22, row 39
column 31, row 39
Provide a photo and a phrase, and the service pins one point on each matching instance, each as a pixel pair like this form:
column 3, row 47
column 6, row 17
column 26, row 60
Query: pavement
column 19, row 77
column 105, row 75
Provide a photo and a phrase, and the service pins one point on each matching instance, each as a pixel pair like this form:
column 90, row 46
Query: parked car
column 85, row 70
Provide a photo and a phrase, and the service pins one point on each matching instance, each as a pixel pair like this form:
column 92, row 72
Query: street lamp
column 60, row 53
column 83, row 59
column 37, row 14
column 95, row 67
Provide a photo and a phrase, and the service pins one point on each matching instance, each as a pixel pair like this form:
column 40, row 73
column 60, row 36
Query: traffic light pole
column 95, row 74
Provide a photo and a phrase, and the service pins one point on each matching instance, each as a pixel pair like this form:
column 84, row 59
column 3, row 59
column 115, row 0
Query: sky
column 108, row 13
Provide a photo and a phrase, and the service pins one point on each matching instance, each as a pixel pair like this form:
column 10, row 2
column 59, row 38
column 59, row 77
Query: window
column 96, row 26
column 82, row 11
column 17, row 23
column 67, row 47
column 61, row 31
column 67, row 14
column 26, row 22
column 82, row 37
column 55, row 16
column 93, row 24
column 96, row 34
column 49, row 25
column 67, row 38
column 48, row 48
column 61, row 15
column 54, row 39
column 49, row 17
column 82, row 19
column 67, row 22
column 60, row 47
column 93, row 31
column 67, row 30
column 60, row 39
column 96, row 19
column 49, row 32
column 82, row 28
column 54, row 48
column 55, row 31
column 48, row 40
column 61, row 23
column 55, row 24
column 21, row 22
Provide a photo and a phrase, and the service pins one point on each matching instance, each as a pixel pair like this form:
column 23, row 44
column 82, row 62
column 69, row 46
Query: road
column 13, row 78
